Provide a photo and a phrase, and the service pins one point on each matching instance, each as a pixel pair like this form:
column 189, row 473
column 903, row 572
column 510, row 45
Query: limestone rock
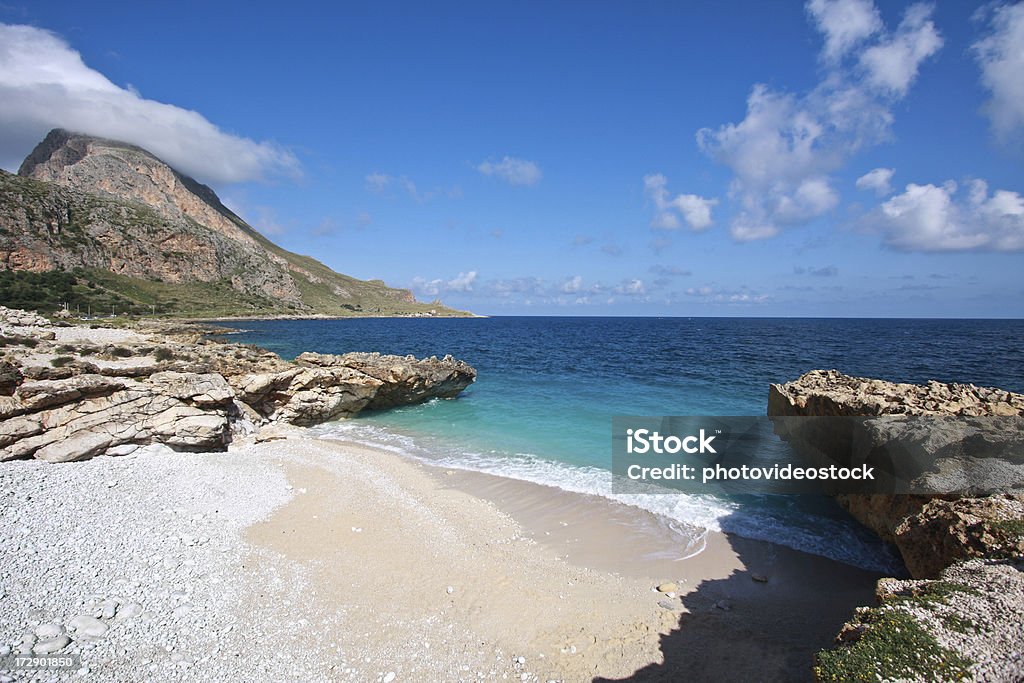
column 930, row 533
column 823, row 393
column 946, row 531
column 970, row 620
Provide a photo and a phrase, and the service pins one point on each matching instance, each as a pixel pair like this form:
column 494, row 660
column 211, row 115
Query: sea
column 547, row 389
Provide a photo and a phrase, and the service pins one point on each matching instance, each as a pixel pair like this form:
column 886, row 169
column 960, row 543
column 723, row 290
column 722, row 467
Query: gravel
column 142, row 579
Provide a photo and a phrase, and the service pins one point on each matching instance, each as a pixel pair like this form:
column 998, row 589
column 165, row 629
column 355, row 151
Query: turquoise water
column 547, row 388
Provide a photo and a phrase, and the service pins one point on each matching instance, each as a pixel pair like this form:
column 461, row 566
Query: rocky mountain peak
column 98, row 165
column 86, row 202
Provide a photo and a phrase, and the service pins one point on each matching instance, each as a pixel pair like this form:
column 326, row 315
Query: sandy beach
column 303, row 559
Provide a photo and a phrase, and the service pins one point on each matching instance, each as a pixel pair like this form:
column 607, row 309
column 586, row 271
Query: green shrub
column 61, row 361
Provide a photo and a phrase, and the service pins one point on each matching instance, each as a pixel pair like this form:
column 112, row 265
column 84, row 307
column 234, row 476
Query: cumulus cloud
column 947, row 218
column 573, row 284
column 44, row 84
column 512, row 170
column 844, row 23
column 878, row 180
column 695, row 210
column 785, row 149
column 893, row 63
column 463, row 282
column 1000, row 55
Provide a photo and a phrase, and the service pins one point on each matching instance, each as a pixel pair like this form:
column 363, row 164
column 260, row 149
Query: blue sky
column 839, row 158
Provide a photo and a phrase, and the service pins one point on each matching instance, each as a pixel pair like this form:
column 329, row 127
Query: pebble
column 181, row 610
column 389, row 676
column 665, row 604
column 129, row 611
column 108, row 608
column 668, row 587
column 724, row 605
column 759, row 578
column 47, row 631
column 450, row 590
column 85, row 626
column 50, row 645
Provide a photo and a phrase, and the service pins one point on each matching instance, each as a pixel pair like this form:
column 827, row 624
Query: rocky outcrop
column 830, row 393
column 961, row 617
column 86, row 202
column 937, row 454
column 190, row 395
column 943, row 532
column 17, row 317
column 324, row 387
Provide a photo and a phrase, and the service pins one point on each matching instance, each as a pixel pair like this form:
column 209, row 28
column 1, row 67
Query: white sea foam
column 687, row 514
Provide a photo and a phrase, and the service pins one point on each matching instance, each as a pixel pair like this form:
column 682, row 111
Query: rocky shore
column 962, row 617
column 70, row 393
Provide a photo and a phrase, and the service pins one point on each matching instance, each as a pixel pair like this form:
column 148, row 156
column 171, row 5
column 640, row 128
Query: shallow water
column 547, row 388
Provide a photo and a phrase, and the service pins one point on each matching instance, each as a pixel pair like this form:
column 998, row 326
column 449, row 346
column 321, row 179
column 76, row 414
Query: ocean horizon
column 548, row 387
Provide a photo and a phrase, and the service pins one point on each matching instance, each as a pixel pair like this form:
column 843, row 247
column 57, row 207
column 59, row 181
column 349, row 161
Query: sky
column 835, row 158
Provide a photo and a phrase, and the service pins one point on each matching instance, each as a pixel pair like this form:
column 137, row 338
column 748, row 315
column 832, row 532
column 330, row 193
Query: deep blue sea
column 547, row 388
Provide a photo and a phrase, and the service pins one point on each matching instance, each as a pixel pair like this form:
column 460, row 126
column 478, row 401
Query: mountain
column 104, row 223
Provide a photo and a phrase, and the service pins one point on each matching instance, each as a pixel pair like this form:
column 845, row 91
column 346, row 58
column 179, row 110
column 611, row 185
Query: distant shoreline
column 318, row 316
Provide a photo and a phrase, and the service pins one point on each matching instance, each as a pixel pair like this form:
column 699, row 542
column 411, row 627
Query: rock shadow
column 764, row 622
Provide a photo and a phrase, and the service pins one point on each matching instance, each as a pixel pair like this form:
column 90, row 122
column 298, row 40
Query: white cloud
column 631, row 288
column 695, row 210
column 893, row 63
column 512, row 170
column 932, row 218
column 573, row 284
column 845, row 24
column 1001, row 58
column 879, row 180
column 785, row 149
column 45, row 84
column 463, row 282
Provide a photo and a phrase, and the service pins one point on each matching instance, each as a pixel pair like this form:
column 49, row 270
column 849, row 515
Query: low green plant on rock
column 892, row 646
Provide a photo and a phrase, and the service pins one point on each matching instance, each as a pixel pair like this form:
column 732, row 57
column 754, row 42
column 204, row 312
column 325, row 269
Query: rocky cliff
column 961, row 618
column 82, row 202
column 71, row 393
column 969, row 528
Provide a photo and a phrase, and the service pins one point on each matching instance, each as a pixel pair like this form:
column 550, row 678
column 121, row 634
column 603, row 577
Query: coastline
column 338, row 557
column 314, row 316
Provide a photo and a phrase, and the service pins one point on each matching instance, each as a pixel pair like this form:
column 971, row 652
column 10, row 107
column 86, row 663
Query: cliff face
column 86, row 202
